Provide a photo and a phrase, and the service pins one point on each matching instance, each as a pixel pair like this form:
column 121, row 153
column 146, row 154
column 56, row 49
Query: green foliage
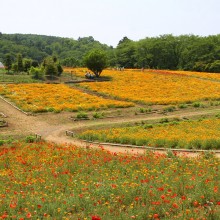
column 169, row 109
column 187, row 52
column 30, row 139
column 182, row 106
column 8, row 62
column 197, row 105
column 82, row 115
column 27, row 63
column 36, row 73
column 164, row 120
column 214, row 67
column 2, row 142
column 97, row 115
column 50, row 68
column 148, row 126
column 19, row 63
column 59, row 69
column 96, row 61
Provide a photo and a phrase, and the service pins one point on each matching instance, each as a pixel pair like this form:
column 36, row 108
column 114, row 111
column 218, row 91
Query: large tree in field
column 96, row 61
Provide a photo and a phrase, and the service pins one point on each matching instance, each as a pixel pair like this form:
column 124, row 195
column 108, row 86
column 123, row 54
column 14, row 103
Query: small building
column 1, row 66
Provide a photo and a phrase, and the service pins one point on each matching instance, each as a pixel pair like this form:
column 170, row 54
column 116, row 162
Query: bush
column 182, row 106
column 97, row 115
column 148, row 126
column 169, row 109
column 197, row 105
column 82, row 115
column 164, row 120
column 36, row 73
column 30, row 139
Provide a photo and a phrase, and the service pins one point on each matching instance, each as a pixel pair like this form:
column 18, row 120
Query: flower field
column 46, row 181
column 203, row 75
column 203, row 134
column 51, row 97
column 157, row 87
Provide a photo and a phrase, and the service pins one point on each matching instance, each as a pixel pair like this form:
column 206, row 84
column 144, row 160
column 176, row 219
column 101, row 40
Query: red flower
column 175, row 206
column 183, row 197
column 160, row 189
column 162, row 197
column 195, row 203
column 28, row 215
column 13, row 205
column 155, row 216
column 95, row 217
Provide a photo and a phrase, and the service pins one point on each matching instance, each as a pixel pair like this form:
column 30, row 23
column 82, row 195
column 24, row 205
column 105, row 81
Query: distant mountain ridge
column 37, row 47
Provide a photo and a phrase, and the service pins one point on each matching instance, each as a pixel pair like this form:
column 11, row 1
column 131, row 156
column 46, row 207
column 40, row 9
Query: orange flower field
column 52, row 97
column 157, row 87
column 193, row 134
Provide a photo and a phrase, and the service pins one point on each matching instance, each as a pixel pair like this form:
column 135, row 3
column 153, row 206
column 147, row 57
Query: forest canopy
column 185, row 52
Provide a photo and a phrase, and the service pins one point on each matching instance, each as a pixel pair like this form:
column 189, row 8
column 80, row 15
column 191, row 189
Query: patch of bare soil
column 52, row 127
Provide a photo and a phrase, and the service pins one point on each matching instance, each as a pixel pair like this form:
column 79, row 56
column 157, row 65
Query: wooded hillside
column 187, row 52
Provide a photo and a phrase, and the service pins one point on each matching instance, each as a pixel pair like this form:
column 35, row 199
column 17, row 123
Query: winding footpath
column 53, row 127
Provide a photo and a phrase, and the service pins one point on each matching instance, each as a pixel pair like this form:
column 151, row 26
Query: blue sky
column 108, row 21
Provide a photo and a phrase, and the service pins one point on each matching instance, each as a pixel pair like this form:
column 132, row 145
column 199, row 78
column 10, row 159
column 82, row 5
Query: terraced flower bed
column 201, row 134
column 55, row 98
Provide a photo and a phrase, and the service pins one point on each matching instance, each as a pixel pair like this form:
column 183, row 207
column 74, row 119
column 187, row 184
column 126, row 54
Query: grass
column 16, row 77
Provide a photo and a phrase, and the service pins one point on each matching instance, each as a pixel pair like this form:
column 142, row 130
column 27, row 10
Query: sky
column 108, row 21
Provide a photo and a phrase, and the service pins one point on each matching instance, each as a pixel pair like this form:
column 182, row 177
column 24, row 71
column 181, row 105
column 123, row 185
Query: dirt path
column 52, row 127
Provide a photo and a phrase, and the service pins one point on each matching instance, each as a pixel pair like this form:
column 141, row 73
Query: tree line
column 184, row 52
column 50, row 68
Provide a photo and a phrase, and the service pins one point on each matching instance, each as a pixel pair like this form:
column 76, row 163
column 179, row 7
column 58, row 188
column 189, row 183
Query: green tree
column 27, row 63
column 36, row 73
column 96, row 61
column 59, row 69
column 125, row 53
column 50, row 68
column 19, row 63
column 8, row 62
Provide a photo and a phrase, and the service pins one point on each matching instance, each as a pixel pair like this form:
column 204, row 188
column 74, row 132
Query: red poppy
column 155, row 216
column 13, row 205
column 95, row 217
column 175, row 206
column 28, row 215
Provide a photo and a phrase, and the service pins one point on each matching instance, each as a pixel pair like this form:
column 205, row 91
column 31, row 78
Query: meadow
column 48, row 181
column 156, row 87
column 55, row 98
column 200, row 134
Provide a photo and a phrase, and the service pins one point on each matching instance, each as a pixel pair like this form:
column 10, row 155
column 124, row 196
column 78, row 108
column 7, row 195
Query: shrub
column 82, row 115
column 36, row 73
column 164, row 120
column 30, row 139
column 97, row 115
column 182, row 106
column 197, row 105
column 147, row 126
column 169, row 109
